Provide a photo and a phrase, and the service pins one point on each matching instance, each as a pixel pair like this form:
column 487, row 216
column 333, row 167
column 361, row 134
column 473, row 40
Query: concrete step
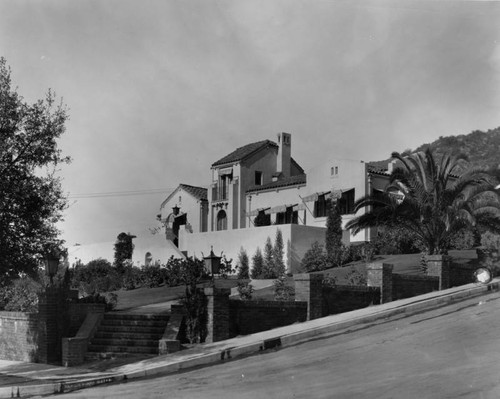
column 128, row 335
column 133, row 322
column 123, row 349
column 125, row 342
column 135, row 316
column 131, row 329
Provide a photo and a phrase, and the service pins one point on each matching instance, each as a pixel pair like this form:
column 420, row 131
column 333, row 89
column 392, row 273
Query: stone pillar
column 217, row 313
column 309, row 288
column 380, row 275
column 439, row 265
column 49, row 339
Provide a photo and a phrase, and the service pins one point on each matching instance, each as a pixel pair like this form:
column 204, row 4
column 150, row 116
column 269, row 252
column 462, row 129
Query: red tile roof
column 197, row 192
column 244, row 152
column 285, row 182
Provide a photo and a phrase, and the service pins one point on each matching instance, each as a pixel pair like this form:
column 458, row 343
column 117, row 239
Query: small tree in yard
column 268, row 271
column 191, row 273
column 258, row 264
column 124, row 248
column 335, row 251
column 278, row 252
column 243, row 264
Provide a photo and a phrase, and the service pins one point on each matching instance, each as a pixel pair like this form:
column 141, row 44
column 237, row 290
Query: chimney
column 284, row 163
column 391, row 165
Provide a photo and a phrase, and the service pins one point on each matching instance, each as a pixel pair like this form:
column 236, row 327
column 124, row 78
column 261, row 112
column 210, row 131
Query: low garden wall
column 461, row 274
column 19, row 336
column 407, row 286
column 248, row 317
column 340, row 299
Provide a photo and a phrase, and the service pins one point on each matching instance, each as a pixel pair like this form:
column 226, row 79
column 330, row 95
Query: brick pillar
column 309, row 288
column 218, row 313
column 380, row 275
column 49, row 340
column 439, row 265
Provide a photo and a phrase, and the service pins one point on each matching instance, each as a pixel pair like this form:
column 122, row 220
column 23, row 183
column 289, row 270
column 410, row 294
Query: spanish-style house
column 186, row 206
column 259, row 188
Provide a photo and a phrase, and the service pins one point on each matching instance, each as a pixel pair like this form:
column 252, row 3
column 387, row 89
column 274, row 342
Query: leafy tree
column 432, row 202
column 333, row 239
column 31, row 200
column 315, row 258
column 243, row 264
column 278, row 252
column 124, row 248
column 258, row 264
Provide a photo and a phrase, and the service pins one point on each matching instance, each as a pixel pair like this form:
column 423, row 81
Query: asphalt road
column 450, row 352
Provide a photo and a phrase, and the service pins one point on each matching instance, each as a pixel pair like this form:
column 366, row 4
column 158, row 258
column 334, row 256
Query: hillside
column 480, row 148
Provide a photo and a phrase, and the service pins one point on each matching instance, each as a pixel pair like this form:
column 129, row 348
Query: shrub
column 463, row 239
column 315, row 258
column 132, row 278
column 153, row 276
column 282, row 291
column 245, row 291
column 21, row 295
column 490, row 241
column 109, row 299
column 96, row 277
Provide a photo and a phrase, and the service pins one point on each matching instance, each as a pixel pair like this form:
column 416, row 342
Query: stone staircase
column 126, row 334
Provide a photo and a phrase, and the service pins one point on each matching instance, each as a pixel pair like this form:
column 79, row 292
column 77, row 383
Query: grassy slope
column 403, row 264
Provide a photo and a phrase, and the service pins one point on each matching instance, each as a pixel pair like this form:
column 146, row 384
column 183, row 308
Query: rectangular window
column 288, row 217
column 258, row 178
column 346, row 203
column 322, row 206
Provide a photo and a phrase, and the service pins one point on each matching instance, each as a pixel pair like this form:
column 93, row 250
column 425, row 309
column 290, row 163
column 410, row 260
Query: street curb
column 318, row 328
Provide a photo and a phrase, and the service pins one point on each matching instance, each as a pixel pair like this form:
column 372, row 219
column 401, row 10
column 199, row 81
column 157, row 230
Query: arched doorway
column 221, row 220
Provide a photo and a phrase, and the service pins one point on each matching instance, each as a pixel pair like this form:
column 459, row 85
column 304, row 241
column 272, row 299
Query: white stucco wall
column 187, row 204
column 297, row 240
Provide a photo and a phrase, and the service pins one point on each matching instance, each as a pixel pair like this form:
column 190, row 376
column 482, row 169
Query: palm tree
column 426, row 198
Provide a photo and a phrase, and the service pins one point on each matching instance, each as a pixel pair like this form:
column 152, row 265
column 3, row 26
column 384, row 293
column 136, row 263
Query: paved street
column 447, row 353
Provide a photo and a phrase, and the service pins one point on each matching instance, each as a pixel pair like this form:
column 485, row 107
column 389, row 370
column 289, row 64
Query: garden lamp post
column 212, row 263
column 51, row 265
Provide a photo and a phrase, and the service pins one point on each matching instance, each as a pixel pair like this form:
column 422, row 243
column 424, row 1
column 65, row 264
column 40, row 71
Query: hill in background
column 480, row 148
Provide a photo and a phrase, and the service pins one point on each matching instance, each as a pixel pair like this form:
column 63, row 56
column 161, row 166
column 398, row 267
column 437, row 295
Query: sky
column 158, row 90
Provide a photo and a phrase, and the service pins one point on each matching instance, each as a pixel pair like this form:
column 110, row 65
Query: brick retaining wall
column 339, row 298
column 248, row 317
column 19, row 336
column 406, row 286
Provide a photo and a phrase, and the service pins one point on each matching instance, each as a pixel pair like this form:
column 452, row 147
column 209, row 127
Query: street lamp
column 212, row 263
column 51, row 264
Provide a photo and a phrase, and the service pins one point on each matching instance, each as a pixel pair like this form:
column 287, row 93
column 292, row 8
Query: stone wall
column 248, row 317
column 19, row 336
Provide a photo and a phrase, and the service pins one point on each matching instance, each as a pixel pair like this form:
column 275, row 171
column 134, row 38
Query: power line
column 121, row 193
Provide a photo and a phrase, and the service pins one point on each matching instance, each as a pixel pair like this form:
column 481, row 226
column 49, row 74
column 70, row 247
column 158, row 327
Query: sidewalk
column 19, row 379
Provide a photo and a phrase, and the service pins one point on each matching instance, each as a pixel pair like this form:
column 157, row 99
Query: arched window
column 148, row 259
column 221, row 221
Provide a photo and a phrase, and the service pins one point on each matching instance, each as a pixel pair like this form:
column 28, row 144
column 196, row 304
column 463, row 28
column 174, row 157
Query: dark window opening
column 322, row 206
column 288, row 217
column 346, row 203
column 258, row 178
